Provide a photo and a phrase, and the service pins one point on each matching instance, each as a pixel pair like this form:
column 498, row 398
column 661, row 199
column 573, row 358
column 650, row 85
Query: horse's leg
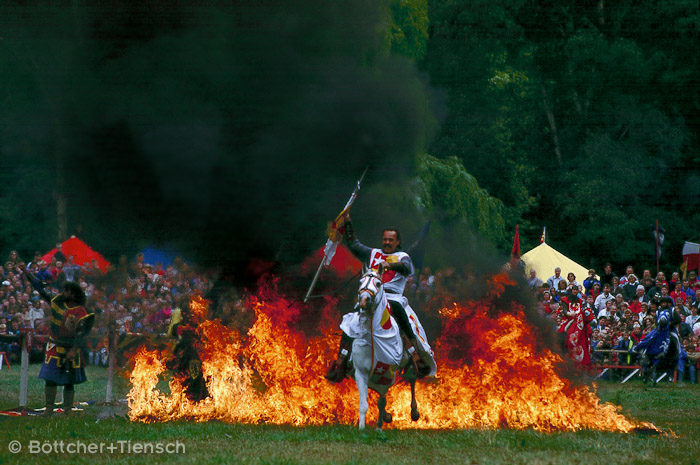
column 381, row 404
column 415, row 414
column 361, row 380
column 387, row 416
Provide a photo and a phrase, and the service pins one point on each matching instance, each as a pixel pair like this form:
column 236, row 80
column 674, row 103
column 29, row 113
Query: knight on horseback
column 661, row 348
column 397, row 266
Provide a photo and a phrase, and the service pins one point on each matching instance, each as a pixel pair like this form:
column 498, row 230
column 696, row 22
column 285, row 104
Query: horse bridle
column 371, row 284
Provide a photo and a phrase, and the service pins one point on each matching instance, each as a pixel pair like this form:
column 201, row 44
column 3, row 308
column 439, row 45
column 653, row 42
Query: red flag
column 544, row 231
column 691, row 255
column 515, row 252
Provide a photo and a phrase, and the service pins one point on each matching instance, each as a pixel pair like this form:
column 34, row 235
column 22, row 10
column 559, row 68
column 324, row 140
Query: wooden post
column 24, row 371
column 657, row 247
column 112, row 360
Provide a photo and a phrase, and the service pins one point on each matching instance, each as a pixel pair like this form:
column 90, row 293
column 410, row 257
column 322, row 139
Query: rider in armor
column 397, row 269
column 662, row 345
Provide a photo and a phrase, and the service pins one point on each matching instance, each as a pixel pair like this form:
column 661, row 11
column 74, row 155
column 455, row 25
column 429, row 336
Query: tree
column 475, row 53
column 593, row 96
column 466, row 222
column 408, row 29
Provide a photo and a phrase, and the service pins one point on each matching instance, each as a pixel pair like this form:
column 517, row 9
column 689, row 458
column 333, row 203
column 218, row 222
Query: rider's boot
column 338, row 369
column 422, row 368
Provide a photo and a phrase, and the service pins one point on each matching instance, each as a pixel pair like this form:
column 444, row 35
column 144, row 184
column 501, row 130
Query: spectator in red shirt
column 636, row 333
column 159, row 269
column 677, row 292
column 56, row 270
column 638, row 299
column 546, row 302
column 693, row 278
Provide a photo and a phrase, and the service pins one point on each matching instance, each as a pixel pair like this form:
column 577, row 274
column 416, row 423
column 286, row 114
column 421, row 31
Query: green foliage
column 580, row 117
column 474, row 52
column 466, row 221
column 448, row 191
column 408, row 31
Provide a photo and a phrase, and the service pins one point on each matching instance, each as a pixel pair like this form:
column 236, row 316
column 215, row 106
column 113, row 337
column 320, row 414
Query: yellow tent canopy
column 544, row 259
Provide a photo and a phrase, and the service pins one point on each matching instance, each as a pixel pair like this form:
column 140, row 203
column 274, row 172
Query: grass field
column 670, row 408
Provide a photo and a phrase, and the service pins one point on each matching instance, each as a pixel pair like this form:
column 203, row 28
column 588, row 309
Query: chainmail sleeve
column 362, row 252
column 404, row 266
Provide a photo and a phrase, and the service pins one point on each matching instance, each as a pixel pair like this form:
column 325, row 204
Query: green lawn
column 671, row 408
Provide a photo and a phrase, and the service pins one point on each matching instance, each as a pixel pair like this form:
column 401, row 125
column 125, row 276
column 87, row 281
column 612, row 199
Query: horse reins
column 318, row 296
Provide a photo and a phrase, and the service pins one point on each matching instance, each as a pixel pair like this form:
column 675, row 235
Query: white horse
column 377, row 349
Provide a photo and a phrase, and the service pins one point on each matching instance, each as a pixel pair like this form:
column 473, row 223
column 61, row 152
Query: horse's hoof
column 387, row 417
column 415, row 415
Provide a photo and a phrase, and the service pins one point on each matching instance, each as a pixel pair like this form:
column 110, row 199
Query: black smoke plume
column 230, row 130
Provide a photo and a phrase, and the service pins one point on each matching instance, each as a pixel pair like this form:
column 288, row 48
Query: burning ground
column 492, row 372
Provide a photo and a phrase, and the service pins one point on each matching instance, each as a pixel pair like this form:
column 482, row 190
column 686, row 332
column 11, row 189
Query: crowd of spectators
column 625, row 308
column 133, row 297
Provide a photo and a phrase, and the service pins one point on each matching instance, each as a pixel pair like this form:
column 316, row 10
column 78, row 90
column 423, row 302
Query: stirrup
column 422, row 368
column 338, row 369
column 336, row 372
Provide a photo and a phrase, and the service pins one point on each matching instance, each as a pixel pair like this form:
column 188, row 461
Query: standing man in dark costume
column 397, row 267
column 70, row 323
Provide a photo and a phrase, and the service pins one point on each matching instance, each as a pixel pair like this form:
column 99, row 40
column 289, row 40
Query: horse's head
column 370, row 287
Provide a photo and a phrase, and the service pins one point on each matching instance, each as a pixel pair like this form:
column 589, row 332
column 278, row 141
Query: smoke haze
column 229, row 130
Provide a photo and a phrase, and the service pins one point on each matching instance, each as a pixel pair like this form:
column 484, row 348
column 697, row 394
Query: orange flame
column 490, row 375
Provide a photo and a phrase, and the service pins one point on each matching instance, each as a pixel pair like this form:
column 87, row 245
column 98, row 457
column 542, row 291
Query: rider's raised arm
column 35, row 282
column 361, row 251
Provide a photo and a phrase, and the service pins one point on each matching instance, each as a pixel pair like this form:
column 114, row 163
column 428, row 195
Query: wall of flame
column 490, row 374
